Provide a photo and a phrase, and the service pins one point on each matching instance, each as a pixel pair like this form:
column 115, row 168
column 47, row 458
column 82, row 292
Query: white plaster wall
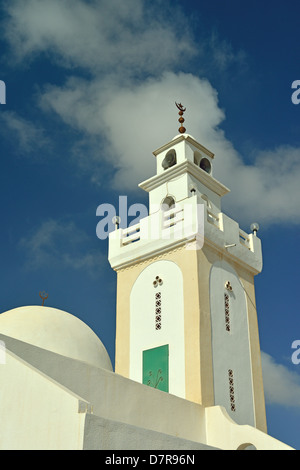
column 231, row 349
column 113, row 435
column 178, row 188
column 143, row 334
column 223, row 433
column 36, row 412
column 214, row 199
column 180, row 149
column 52, row 415
column 184, row 149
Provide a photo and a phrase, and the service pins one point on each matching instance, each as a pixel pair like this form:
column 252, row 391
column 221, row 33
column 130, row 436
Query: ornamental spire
column 181, row 119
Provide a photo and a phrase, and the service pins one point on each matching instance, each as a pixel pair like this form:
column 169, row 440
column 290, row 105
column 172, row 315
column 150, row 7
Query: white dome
column 56, row 331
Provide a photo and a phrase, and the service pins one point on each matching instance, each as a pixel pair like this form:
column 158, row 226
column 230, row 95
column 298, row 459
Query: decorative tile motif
column 231, row 390
column 228, row 286
column 157, row 281
column 227, row 311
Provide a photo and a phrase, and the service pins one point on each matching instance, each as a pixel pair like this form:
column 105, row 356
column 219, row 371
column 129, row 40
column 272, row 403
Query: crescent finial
column 182, row 109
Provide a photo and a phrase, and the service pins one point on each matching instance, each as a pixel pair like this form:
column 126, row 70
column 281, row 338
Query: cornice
column 181, row 138
column 180, row 169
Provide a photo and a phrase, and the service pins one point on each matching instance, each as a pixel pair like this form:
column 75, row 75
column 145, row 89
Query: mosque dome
column 56, row 331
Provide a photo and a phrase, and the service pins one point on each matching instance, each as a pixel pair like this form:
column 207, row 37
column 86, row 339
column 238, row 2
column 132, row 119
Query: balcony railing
column 213, row 219
column 244, row 239
column 131, row 234
column 164, row 224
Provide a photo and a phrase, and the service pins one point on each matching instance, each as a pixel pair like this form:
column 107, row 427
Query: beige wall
column 187, row 261
column 195, row 266
column 258, row 388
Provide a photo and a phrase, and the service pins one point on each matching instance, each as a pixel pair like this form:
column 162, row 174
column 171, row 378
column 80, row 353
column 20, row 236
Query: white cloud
column 60, row 243
column 129, row 36
column 125, row 116
column 222, row 54
column 270, row 187
column 281, row 385
column 25, row 134
column 134, row 121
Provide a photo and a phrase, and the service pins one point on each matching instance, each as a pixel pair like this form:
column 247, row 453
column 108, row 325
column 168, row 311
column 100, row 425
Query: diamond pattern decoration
column 231, row 390
column 227, row 312
column 158, row 311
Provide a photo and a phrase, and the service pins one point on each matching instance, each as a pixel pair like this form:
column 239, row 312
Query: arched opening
column 205, row 165
column 246, row 446
column 151, row 342
column 169, row 160
column 232, row 373
column 168, row 203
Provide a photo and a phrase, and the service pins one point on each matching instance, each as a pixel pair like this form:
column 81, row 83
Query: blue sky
column 90, row 91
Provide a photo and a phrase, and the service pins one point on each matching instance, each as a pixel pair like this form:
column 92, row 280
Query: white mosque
column 188, row 366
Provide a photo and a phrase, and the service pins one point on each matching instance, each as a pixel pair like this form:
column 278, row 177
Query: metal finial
column 43, row 296
column 181, row 119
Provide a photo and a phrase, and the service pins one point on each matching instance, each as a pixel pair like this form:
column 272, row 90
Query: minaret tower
column 186, row 312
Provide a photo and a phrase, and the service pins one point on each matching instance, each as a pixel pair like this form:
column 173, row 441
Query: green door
column 156, row 367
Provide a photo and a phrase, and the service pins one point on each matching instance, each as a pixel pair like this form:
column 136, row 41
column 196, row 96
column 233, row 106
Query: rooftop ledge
column 178, row 138
column 181, row 169
column 190, row 224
